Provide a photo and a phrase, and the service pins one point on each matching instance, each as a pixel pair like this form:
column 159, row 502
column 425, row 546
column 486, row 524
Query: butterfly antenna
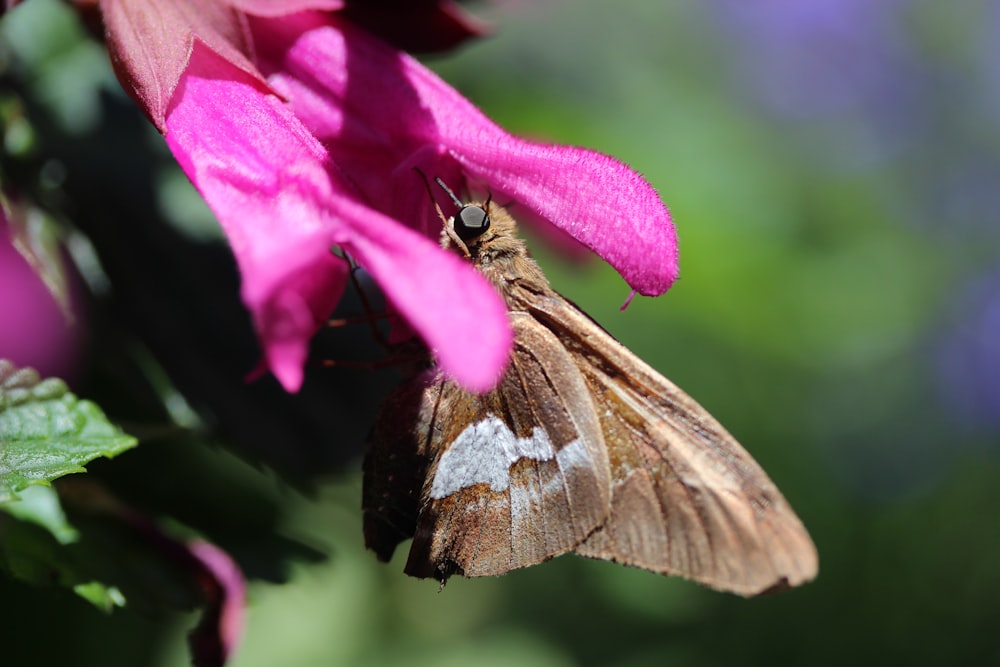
column 430, row 193
column 448, row 229
column 458, row 202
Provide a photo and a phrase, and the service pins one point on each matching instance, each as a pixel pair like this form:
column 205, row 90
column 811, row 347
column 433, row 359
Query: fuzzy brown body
column 581, row 447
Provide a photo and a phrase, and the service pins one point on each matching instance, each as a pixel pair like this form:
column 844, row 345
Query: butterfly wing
column 509, row 478
column 687, row 499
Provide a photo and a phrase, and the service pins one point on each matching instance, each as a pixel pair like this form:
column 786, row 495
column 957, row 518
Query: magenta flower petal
column 272, row 8
column 596, row 199
column 265, row 178
column 466, row 327
column 331, row 163
column 610, row 208
column 378, row 109
column 283, row 207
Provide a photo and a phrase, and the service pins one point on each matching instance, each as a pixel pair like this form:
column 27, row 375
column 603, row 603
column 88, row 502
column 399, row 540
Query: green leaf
column 40, row 505
column 47, row 432
column 104, row 597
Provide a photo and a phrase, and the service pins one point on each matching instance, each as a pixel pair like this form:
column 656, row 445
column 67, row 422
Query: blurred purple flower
column 969, row 356
column 834, row 60
column 887, row 82
column 988, row 55
column 820, row 57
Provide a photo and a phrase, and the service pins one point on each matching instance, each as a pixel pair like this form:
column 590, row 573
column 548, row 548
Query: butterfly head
column 471, row 221
column 469, row 229
column 482, row 232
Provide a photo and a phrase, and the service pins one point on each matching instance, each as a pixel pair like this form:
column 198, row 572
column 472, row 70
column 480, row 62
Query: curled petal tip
column 287, row 370
column 628, row 300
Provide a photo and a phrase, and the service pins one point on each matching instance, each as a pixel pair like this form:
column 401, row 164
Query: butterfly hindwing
column 687, row 499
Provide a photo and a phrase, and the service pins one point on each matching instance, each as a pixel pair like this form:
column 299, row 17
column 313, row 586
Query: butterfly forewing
column 514, row 476
column 687, row 499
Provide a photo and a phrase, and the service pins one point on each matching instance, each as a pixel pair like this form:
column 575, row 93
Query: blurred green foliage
column 821, row 274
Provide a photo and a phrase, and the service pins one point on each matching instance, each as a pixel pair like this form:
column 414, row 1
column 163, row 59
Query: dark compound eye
column 471, row 221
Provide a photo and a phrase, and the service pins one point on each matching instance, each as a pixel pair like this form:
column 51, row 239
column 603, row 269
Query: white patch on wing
column 484, row 452
column 573, row 455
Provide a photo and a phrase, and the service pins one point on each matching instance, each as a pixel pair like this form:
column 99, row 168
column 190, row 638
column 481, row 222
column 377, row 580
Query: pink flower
column 221, row 628
column 302, row 132
column 39, row 296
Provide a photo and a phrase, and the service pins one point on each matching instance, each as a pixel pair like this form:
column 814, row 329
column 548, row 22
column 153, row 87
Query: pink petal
column 376, row 109
column 288, row 316
column 456, row 311
column 269, row 183
column 266, row 180
column 610, row 208
column 272, row 8
column 150, row 42
column 596, row 199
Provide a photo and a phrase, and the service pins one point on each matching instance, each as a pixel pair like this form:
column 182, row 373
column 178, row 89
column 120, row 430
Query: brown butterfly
column 581, row 447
